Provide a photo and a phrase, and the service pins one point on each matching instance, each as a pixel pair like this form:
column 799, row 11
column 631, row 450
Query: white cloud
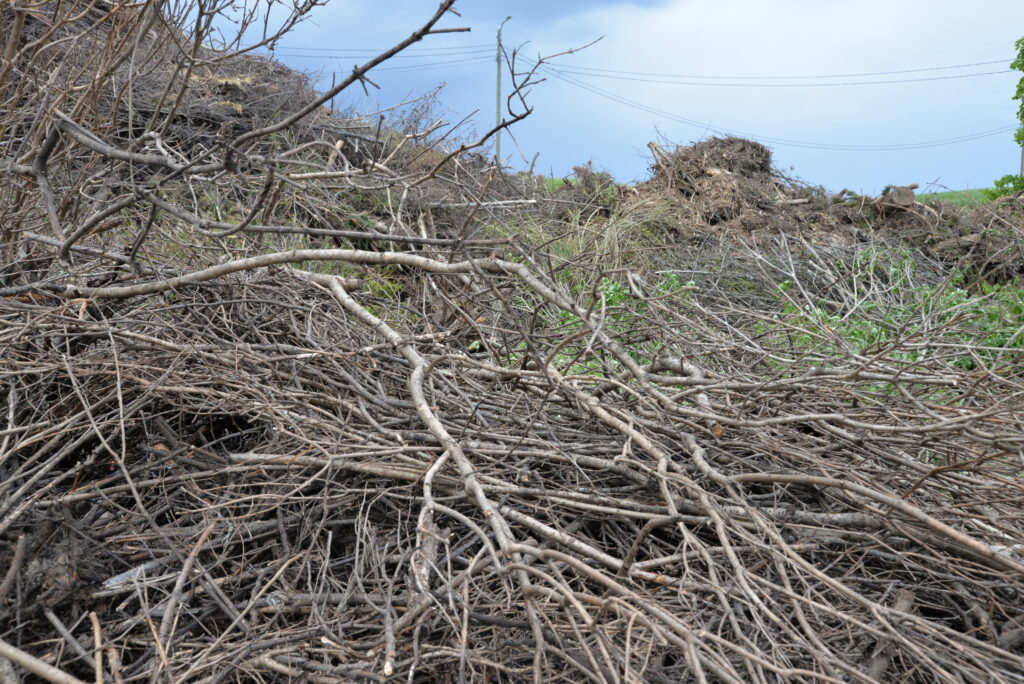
column 725, row 37
column 791, row 37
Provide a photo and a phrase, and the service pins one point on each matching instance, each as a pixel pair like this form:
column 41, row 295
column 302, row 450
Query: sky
column 697, row 68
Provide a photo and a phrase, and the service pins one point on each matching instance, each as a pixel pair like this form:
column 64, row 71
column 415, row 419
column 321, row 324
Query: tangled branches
column 381, row 445
column 276, row 477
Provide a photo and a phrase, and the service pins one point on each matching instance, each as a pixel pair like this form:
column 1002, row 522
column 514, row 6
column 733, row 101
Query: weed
column 971, row 327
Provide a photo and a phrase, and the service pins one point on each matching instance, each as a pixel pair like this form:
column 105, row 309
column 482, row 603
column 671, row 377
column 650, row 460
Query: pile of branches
column 719, row 181
column 274, row 472
column 725, row 190
column 412, row 453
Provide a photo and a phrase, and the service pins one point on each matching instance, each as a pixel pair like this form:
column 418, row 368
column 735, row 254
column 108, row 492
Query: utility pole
column 1022, row 160
column 497, row 108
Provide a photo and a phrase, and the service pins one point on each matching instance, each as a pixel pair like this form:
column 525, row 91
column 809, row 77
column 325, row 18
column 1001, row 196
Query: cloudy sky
column 680, row 70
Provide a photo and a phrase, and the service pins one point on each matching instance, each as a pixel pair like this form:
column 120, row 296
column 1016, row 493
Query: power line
column 432, row 65
column 707, row 126
column 375, row 51
column 483, row 47
column 409, row 67
column 648, row 76
column 561, row 65
column 781, row 141
column 833, row 84
column 567, row 74
column 370, row 55
column 481, row 54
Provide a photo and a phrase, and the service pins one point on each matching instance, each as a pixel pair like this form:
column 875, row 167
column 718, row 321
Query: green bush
column 1010, row 184
column 1014, row 183
column 1018, row 64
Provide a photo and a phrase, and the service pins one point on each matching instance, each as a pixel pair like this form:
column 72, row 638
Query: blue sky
column 707, row 43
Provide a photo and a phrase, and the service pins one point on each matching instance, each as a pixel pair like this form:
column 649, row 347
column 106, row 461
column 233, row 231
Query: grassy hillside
column 957, row 197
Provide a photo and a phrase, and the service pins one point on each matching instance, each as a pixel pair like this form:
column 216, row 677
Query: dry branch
column 240, row 440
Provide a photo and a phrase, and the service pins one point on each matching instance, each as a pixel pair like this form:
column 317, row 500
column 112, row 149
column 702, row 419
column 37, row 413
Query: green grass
column 961, row 198
column 599, row 187
column 977, row 327
column 553, row 185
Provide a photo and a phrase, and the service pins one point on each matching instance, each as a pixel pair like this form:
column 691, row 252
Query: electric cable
column 831, row 84
column 300, row 48
column 777, row 141
column 561, row 65
column 371, row 55
column 432, row 65
column 415, row 67
column 568, row 74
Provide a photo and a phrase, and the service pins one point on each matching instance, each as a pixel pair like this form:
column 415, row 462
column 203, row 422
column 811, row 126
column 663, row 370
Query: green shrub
column 1010, row 184
column 1014, row 183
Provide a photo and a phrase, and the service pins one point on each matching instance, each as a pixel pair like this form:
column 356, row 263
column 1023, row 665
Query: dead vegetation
column 728, row 189
column 278, row 404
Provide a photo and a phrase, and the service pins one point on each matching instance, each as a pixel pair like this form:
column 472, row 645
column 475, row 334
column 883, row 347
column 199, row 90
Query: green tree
column 1018, row 64
column 1013, row 183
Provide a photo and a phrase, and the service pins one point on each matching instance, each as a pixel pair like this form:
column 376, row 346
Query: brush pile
column 266, row 417
column 726, row 190
column 260, row 475
column 726, row 181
